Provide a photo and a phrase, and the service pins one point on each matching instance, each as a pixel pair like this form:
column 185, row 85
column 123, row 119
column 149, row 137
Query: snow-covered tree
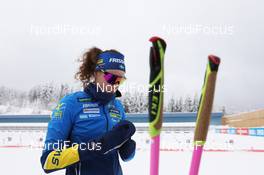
column 180, row 105
column 187, row 107
column 195, row 103
column 135, row 102
column 47, row 94
column 172, row 105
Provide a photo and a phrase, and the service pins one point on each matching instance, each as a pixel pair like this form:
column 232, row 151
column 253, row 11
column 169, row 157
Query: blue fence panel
column 179, row 117
column 260, row 132
column 231, row 130
column 252, row 131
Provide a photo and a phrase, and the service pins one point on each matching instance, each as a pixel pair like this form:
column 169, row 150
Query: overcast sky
column 41, row 40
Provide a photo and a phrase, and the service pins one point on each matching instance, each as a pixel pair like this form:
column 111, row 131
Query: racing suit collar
column 100, row 96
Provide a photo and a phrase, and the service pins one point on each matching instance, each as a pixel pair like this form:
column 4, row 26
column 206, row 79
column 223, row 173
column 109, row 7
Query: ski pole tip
column 155, row 38
column 215, row 59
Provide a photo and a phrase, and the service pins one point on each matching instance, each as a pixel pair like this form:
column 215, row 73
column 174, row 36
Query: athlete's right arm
column 54, row 157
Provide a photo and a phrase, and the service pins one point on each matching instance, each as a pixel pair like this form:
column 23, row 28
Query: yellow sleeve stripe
column 60, row 159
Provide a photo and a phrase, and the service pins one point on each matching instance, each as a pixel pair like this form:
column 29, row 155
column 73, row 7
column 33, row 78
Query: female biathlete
column 87, row 132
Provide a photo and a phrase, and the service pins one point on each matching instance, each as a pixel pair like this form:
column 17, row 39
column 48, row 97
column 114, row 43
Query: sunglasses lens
column 113, row 79
column 109, row 78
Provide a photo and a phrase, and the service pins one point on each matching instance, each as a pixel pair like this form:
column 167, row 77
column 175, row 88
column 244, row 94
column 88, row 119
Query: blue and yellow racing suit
column 77, row 119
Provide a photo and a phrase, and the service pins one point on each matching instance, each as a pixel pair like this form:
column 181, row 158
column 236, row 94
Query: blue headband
column 110, row 60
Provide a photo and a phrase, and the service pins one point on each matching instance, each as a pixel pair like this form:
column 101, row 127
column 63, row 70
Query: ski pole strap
column 156, row 83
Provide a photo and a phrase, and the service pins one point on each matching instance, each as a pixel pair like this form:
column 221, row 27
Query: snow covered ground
column 13, row 110
column 17, row 161
column 224, row 155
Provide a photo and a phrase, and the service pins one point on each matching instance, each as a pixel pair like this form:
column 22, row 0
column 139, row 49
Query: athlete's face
column 101, row 81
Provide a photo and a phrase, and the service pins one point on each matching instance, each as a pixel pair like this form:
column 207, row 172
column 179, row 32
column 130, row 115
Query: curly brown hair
column 88, row 63
column 87, row 68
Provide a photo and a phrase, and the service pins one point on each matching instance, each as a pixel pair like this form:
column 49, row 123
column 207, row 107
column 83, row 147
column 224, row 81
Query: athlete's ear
column 96, row 73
